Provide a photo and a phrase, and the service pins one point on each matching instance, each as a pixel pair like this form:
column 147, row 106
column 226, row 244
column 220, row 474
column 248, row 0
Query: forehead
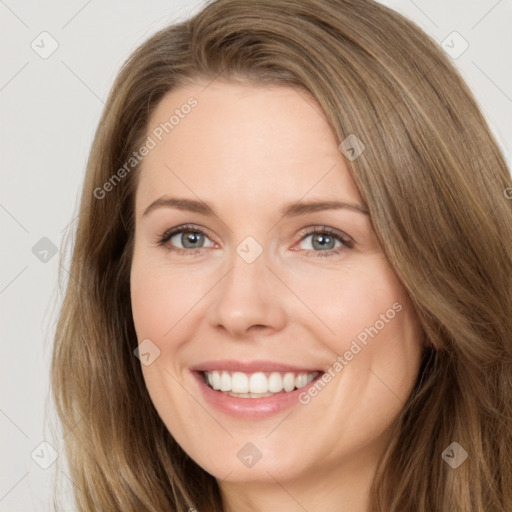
column 243, row 141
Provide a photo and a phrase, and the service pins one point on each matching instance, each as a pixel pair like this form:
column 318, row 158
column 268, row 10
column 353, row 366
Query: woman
column 291, row 280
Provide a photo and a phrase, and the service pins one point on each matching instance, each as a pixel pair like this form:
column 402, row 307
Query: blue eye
column 323, row 241
column 185, row 239
column 319, row 241
column 189, row 239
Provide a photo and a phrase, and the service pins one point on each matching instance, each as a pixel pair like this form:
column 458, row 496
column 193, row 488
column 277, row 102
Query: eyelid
column 185, row 227
column 163, row 238
column 346, row 240
column 346, row 243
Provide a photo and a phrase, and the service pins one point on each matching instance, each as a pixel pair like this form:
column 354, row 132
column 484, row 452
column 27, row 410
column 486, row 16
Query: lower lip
column 251, row 408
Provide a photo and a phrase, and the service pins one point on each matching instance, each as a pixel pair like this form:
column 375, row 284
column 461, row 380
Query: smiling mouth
column 257, row 384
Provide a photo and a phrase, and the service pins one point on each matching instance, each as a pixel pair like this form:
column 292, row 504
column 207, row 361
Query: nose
column 248, row 300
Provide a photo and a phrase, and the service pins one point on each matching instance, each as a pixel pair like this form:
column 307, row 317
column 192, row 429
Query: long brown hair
column 433, row 180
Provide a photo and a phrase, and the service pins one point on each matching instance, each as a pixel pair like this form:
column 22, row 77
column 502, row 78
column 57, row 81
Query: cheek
column 356, row 301
column 376, row 357
column 151, row 303
column 373, row 334
column 160, row 300
column 162, row 296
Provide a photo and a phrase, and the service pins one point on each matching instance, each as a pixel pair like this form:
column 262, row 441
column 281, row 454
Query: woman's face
column 255, row 267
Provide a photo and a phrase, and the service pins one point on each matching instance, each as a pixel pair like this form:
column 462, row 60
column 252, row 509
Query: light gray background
column 49, row 111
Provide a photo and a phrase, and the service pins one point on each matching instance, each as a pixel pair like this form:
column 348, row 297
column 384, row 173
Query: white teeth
column 289, row 382
column 215, row 380
column 239, row 383
column 257, row 385
column 225, row 381
column 275, row 382
column 301, row 380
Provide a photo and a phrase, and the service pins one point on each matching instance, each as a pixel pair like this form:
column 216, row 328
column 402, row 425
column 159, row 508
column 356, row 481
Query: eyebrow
column 294, row 209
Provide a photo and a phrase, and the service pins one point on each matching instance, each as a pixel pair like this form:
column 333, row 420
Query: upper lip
column 250, row 367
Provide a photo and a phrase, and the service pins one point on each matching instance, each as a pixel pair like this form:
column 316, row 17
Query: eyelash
column 346, row 241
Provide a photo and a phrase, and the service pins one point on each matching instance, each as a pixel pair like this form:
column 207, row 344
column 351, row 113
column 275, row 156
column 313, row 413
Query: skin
column 248, row 150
